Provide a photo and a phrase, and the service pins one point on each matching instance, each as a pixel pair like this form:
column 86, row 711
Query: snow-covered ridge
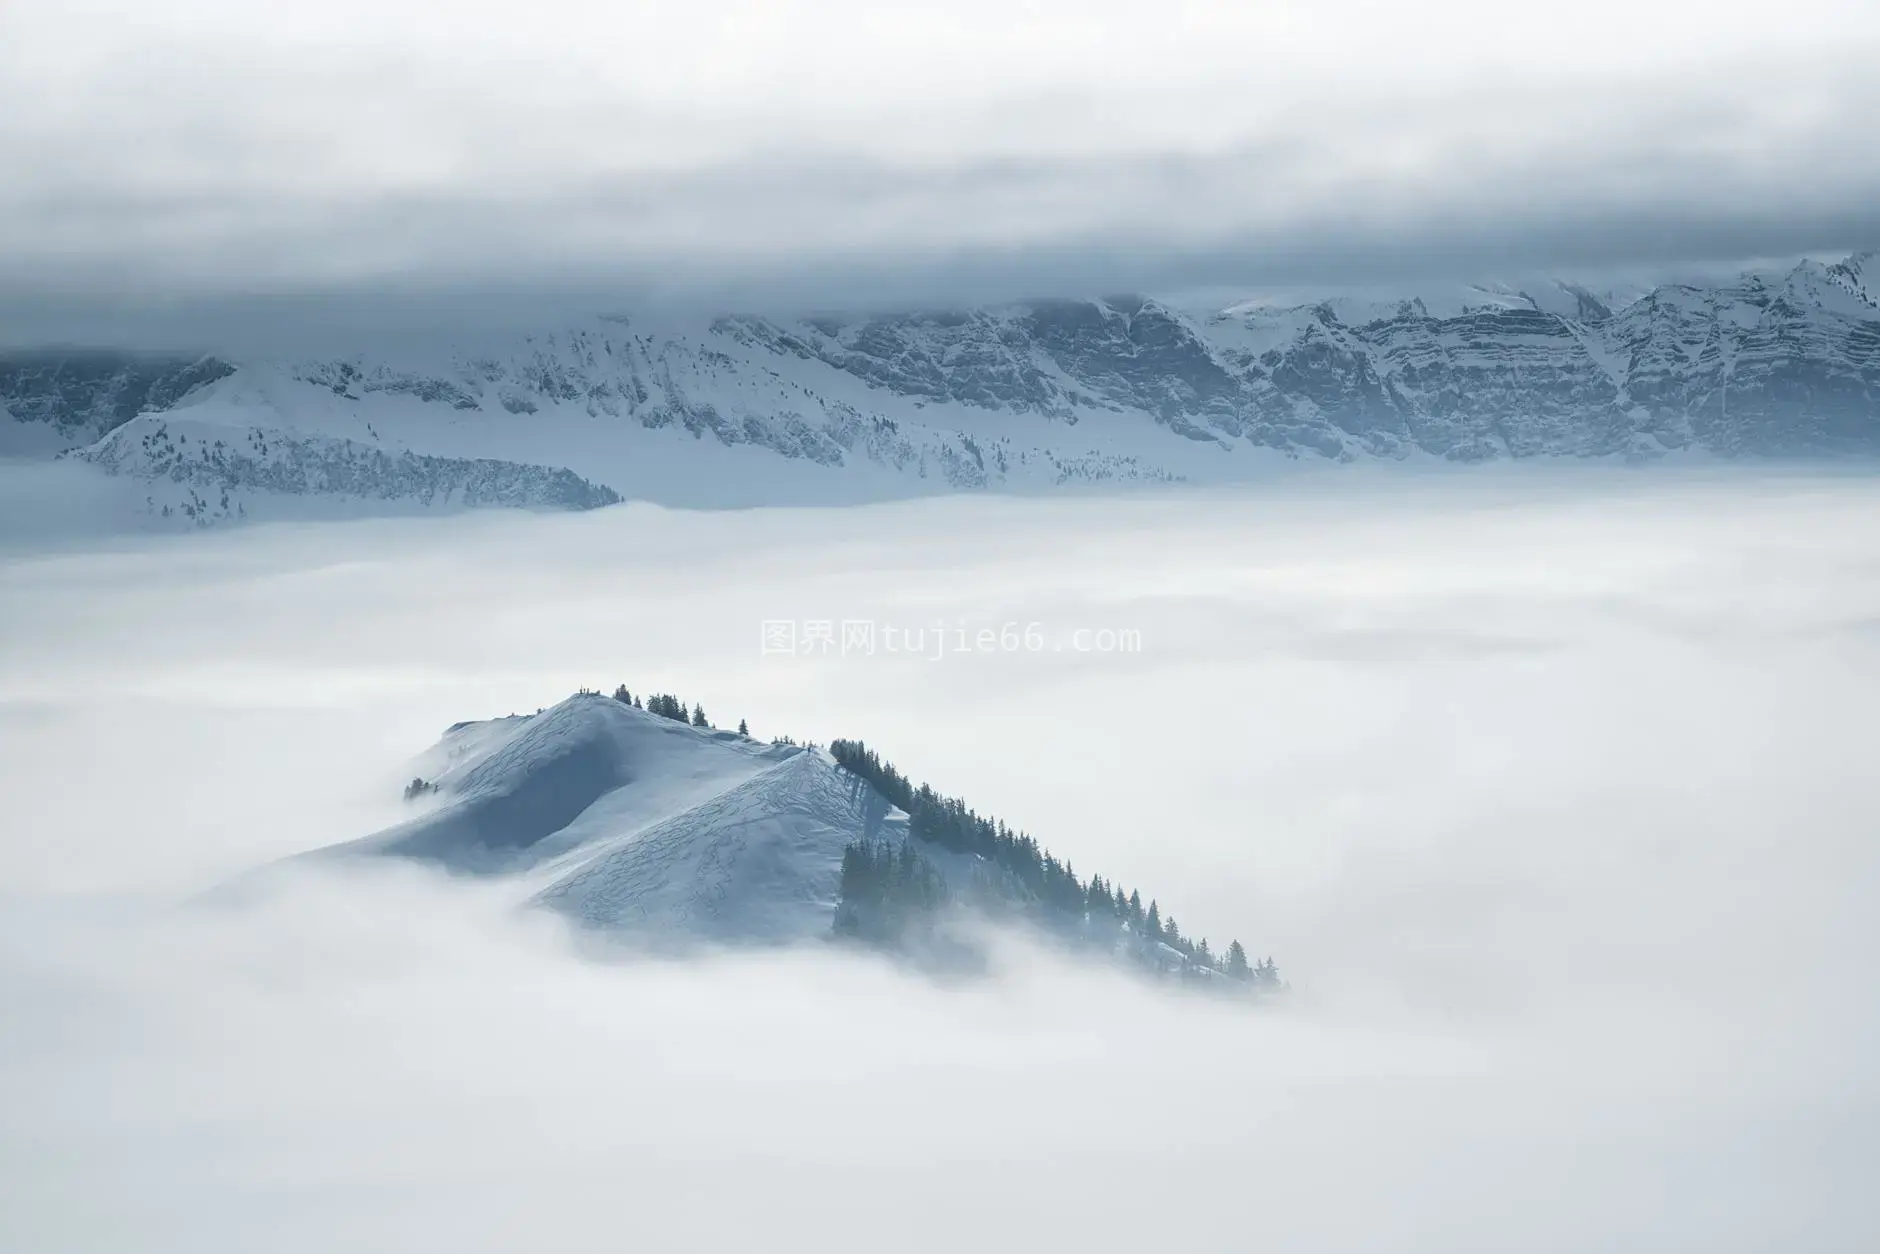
column 1778, row 363
column 209, row 472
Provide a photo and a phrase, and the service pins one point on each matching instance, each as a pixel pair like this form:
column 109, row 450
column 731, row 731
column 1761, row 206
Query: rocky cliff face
column 88, row 393
column 1780, row 364
column 1785, row 365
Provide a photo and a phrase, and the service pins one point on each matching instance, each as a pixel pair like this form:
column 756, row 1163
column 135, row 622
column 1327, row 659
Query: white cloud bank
column 835, row 152
column 1554, row 800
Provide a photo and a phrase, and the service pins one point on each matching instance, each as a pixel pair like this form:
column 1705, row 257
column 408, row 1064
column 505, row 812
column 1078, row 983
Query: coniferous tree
column 622, row 695
column 698, row 716
column 1013, row 870
column 857, row 873
column 887, row 892
column 1237, row 962
column 666, row 705
column 744, row 728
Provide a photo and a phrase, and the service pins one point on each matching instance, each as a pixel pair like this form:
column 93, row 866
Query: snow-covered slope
column 740, row 409
column 759, row 862
column 644, row 826
column 514, row 793
column 203, row 471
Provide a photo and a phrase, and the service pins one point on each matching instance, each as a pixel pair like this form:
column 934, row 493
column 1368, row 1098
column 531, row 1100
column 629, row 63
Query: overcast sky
column 203, row 151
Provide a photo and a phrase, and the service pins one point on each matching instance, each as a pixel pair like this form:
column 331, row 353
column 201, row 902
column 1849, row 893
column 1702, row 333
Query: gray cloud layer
column 195, row 157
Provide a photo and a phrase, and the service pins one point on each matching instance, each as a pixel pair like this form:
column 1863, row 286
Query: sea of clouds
column 1552, row 797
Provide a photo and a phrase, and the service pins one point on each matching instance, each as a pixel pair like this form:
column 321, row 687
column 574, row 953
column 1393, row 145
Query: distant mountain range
column 742, row 409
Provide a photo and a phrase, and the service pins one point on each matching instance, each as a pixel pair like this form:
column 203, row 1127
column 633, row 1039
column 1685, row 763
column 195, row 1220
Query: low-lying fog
column 1554, row 800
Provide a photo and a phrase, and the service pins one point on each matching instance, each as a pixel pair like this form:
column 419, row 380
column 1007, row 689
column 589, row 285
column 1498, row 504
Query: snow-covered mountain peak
column 649, row 827
column 643, row 825
column 519, row 792
column 1859, row 275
